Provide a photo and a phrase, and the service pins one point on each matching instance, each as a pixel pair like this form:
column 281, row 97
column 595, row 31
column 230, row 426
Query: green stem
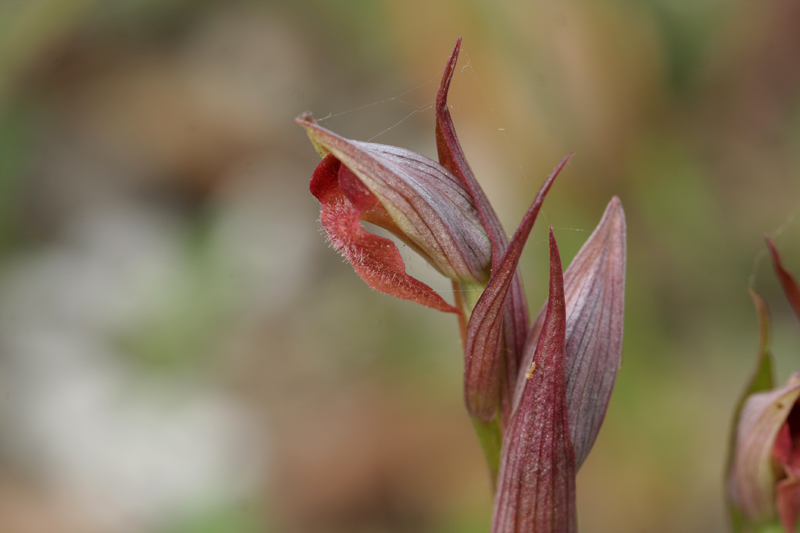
column 491, row 438
column 490, row 435
column 774, row 527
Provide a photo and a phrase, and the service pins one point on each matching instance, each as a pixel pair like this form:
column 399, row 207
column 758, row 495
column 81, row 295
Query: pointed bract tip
column 613, row 219
column 615, row 206
column 536, row 483
column 556, row 272
column 447, row 76
column 305, row 118
column 310, row 125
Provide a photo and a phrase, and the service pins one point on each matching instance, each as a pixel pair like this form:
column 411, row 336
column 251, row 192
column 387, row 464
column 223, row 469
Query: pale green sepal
column 763, row 379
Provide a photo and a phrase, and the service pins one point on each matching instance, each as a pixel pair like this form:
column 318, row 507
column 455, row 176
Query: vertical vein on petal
column 594, row 286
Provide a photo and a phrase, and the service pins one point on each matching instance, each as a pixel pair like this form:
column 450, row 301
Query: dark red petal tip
column 787, row 280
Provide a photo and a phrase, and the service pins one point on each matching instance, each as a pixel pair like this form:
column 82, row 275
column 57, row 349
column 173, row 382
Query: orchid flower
column 537, row 395
column 764, row 459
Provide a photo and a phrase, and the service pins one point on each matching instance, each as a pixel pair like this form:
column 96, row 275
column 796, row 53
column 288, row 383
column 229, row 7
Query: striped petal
column 594, row 285
column 424, row 204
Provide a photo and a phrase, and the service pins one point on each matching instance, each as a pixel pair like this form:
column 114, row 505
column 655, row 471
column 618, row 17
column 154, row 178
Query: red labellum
column 376, row 259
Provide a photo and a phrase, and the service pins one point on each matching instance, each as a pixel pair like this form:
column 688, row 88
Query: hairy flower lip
column 429, row 208
column 376, row 259
column 594, row 285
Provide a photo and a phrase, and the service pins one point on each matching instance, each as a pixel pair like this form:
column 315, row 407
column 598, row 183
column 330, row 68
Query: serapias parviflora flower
column 573, row 351
column 413, row 197
column 764, row 481
column 764, row 463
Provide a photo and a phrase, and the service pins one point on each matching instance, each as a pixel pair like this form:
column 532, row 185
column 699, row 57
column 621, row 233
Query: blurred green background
column 180, row 352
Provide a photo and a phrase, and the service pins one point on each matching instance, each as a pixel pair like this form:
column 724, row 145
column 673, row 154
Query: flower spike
column 536, row 487
column 536, row 395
